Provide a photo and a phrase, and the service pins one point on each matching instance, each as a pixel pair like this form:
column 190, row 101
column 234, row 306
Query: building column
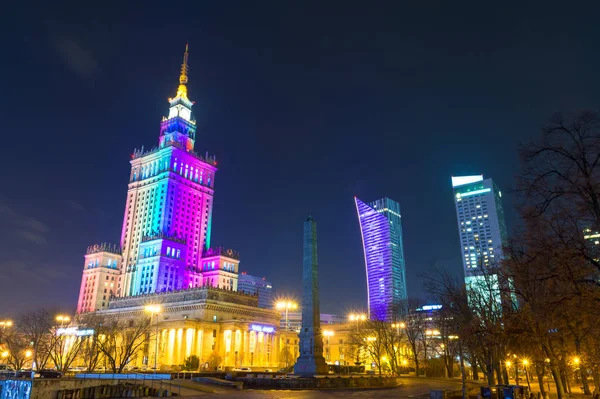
column 199, row 343
column 171, row 347
column 232, row 350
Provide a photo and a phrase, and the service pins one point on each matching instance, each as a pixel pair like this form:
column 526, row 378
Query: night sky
column 304, row 106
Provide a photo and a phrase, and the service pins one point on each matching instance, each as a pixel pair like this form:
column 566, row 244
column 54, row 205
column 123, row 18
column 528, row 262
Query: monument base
column 309, row 366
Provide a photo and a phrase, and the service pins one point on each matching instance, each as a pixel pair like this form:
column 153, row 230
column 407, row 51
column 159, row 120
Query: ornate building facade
column 165, row 259
column 165, row 239
column 203, row 322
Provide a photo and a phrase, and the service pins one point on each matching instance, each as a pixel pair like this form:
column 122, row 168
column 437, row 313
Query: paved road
column 417, row 388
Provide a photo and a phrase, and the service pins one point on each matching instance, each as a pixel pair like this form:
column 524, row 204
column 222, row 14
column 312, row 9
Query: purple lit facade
column 165, row 239
column 381, row 232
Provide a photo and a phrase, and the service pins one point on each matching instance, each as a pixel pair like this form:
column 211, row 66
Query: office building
column 258, row 286
column 381, row 230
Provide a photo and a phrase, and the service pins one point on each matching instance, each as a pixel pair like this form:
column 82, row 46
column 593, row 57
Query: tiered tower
column 101, row 277
column 165, row 239
column 168, row 211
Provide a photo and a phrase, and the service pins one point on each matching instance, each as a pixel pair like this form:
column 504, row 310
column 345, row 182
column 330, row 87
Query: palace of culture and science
column 165, row 258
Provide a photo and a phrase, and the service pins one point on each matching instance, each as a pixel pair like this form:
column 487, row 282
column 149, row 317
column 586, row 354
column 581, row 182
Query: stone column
column 311, row 360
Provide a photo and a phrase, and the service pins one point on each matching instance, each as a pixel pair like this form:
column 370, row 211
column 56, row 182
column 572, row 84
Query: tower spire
column 183, row 76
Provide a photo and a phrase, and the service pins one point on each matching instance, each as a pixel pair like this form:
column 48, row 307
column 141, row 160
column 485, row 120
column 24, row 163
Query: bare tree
column 17, row 346
column 36, row 327
column 120, row 339
column 561, row 175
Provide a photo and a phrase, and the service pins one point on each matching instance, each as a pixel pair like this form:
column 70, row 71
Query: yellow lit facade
column 203, row 322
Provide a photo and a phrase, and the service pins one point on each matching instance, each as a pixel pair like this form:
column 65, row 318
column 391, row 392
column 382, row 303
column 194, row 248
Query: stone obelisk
column 311, row 360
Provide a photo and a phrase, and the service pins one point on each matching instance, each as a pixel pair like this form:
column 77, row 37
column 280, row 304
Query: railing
column 103, row 247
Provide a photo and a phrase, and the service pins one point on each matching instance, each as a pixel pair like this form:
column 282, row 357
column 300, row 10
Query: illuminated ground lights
column 381, row 231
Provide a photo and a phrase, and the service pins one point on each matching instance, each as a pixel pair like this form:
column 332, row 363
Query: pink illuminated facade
column 165, row 239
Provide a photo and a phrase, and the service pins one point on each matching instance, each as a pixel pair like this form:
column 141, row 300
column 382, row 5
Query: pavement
column 411, row 388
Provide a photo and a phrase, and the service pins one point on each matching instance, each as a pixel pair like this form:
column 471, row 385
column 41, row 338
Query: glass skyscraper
column 381, row 230
column 481, row 225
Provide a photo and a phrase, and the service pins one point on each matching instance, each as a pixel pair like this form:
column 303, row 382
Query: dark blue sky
column 304, row 104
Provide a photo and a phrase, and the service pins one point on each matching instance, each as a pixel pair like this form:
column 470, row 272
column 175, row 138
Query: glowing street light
column 576, row 360
column 357, row 317
column 526, row 363
column 4, row 354
column 62, row 319
column 286, row 305
column 154, row 310
column 508, row 363
column 28, row 353
column 5, row 323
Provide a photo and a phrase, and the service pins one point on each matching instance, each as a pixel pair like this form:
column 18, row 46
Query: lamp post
column 328, row 333
column 525, row 364
column 62, row 319
column 357, row 317
column 286, row 305
column 5, row 323
column 154, row 310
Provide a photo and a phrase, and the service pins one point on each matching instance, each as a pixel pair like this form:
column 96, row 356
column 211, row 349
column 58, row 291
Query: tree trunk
column 474, row 368
column 462, row 372
column 565, row 380
column 490, row 368
column 596, row 377
column 582, row 369
column 539, row 371
column 558, row 382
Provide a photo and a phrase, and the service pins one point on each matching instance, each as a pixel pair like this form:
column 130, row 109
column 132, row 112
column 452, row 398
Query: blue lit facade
column 481, row 223
column 381, row 230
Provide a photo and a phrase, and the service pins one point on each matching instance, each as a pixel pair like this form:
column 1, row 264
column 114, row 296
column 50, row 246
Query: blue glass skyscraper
column 381, row 230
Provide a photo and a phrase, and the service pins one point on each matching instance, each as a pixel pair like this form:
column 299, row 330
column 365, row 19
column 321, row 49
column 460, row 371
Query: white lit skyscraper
column 481, row 223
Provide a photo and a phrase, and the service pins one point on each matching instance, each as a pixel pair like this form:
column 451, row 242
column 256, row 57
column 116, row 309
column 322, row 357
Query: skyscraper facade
column 381, row 230
column 165, row 239
column 481, row 223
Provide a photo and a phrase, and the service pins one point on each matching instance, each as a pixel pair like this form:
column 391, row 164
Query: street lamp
column 357, row 317
column 328, row 333
column 154, row 310
column 63, row 319
column 4, row 354
column 5, row 323
column 286, row 305
column 526, row 363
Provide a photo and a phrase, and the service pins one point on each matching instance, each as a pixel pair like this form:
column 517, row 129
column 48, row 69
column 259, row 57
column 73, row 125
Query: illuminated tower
column 480, row 223
column 381, row 231
column 168, row 211
column 101, row 276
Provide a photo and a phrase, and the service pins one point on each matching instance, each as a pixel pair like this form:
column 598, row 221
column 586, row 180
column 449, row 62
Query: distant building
column 481, row 224
column 482, row 232
column 295, row 320
column 381, row 231
column 257, row 285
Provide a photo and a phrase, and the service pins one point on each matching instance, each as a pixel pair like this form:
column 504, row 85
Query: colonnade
column 237, row 346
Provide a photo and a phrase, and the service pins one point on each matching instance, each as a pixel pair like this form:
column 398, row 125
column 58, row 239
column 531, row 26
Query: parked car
column 25, row 373
column 6, row 370
column 47, row 373
column 246, row 369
